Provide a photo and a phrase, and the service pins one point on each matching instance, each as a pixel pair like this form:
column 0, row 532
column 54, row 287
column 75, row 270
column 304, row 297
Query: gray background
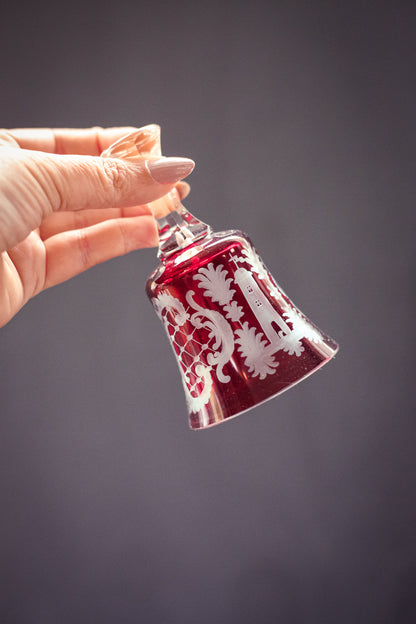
column 301, row 118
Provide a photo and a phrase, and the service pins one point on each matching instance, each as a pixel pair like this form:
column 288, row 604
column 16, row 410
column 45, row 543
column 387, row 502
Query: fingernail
column 169, row 170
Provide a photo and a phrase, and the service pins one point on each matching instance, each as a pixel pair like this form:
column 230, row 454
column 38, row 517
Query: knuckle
column 123, row 238
column 115, row 175
column 96, row 132
column 48, row 182
column 7, row 138
column 84, row 249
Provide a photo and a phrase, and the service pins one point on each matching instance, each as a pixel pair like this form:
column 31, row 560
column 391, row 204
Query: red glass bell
column 237, row 337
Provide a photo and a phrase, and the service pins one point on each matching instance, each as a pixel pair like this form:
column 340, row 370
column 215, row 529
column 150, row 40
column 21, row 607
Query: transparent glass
column 237, row 337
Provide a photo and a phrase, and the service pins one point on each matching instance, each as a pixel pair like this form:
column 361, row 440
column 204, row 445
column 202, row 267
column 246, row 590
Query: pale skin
column 63, row 209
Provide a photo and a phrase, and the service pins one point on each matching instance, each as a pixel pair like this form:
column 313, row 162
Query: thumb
column 79, row 182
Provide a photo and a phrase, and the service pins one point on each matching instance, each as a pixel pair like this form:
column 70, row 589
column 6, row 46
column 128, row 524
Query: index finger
column 88, row 141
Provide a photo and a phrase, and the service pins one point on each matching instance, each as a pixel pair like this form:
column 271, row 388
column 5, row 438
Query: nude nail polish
column 169, row 170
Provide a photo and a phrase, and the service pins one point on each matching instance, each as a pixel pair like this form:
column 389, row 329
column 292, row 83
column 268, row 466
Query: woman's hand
column 63, row 209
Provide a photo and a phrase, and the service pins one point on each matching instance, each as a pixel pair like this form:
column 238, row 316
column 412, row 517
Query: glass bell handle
column 144, row 142
column 176, row 226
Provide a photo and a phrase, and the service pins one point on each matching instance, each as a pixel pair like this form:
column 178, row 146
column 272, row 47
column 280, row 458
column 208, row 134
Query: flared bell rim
column 273, row 395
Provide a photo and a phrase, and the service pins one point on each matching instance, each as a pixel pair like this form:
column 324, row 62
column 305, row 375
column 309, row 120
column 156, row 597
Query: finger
column 183, row 189
column 83, row 182
column 91, row 141
column 59, row 222
column 65, row 221
column 71, row 253
column 7, row 139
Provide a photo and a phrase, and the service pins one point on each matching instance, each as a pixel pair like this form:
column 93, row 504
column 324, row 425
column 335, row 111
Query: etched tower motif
column 261, row 307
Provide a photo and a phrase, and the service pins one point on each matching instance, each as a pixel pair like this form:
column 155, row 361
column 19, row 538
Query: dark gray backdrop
column 301, row 119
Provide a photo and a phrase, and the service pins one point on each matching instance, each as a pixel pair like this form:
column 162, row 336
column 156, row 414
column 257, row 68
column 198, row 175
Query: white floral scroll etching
column 257, row 354
column 215, row 283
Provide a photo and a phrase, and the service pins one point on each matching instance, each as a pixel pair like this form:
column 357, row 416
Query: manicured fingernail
column 169, row 170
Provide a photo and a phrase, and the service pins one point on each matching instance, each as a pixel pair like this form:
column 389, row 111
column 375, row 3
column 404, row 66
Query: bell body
column 237, row 337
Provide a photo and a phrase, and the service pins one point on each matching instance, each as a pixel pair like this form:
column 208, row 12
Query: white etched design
column 257, row 354
column 256, row 263
column 301, row 326
column 205, row 340
column 291, row 344
column 196, row 366
column 174, row 305
column 215, row 283
column 234, row 311
column 220, row 333
column 194, row 401
column 271, row 322
column 252, row 258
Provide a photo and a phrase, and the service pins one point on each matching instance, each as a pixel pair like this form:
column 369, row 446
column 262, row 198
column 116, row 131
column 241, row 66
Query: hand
column 63, row 209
